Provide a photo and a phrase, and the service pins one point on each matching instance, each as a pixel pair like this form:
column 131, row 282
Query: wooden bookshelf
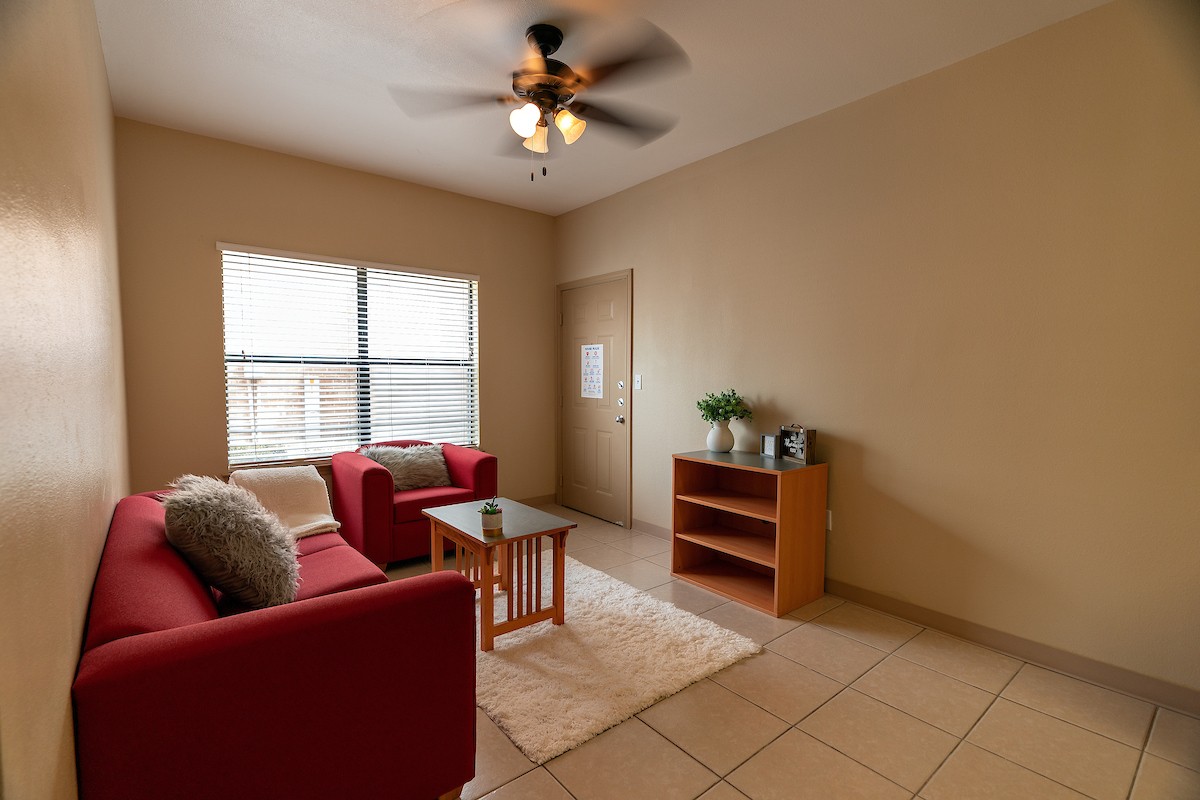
column 750, row 528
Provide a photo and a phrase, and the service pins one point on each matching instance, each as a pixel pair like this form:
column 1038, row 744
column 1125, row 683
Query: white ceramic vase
column 720, row 438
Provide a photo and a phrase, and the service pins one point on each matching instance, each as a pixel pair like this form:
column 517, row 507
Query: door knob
column 621, row 418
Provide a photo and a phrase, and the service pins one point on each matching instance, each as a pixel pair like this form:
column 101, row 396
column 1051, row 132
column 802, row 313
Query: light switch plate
column 637, row 381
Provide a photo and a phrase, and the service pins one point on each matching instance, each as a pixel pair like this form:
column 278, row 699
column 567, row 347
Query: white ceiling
column 312, row 77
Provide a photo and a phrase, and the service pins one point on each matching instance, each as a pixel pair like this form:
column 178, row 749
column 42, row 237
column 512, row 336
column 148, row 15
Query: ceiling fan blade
column 428, row 102
column 642, row 126
column 654, row 53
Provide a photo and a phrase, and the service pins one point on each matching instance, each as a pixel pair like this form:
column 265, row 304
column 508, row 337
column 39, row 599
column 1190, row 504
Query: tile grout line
column 1009, row 760
column 556, row 780
column 796, row 726
column 1137, row 772
column 700, row 763
column 850, row 687
column 963, row 738
column 1077, row 725
column 722, row 777
column 845, row 687
column 852, row 758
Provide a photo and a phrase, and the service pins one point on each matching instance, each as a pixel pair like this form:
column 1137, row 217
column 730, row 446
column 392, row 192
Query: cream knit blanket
column 297, row 495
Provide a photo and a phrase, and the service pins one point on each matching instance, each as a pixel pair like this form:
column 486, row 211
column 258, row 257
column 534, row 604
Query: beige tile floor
column 847, row 702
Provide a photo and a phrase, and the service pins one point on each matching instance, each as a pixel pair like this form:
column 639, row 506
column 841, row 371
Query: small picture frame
column 796, row 443
column 770, row 445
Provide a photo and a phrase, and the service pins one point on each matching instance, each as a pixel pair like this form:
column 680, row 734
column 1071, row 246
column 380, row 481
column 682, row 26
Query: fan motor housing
column 546, row 83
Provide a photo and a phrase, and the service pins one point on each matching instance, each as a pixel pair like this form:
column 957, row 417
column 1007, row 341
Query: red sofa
column 386, row 525
column 360, row 688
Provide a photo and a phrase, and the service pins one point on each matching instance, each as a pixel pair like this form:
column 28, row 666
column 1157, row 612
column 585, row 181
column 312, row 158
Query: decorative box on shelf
column 796, row 443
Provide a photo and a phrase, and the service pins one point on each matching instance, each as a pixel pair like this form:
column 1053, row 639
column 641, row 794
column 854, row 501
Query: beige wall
column 982, row 287
column 178, row 194
column 62, row 423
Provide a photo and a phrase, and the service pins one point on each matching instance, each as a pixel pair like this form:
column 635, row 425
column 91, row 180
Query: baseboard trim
column 641, row 526
column 540, row 500
column 1153, row 690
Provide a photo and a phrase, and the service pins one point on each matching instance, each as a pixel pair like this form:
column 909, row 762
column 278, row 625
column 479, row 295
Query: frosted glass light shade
column 570, row 125
column 537, row 143
column 524, row 120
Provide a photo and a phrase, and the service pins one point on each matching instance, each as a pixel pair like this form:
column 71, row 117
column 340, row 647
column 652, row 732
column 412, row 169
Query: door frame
column 608, row 277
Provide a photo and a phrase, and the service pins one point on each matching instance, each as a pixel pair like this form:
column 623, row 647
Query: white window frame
column 311, row 429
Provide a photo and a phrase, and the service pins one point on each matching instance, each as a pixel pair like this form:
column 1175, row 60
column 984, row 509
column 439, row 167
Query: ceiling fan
column 547, row 92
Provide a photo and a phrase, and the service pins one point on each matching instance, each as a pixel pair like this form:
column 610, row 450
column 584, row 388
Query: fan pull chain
column 545, row 172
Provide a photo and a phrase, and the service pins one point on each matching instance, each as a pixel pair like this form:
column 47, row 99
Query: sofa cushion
column 415, row 467
column 143, row 584
column 336, row 569
column 328, row 566
column 407, row 505
column 320, row 541
column 233, row 542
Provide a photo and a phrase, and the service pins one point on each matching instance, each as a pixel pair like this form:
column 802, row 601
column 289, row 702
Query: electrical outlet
column 828, row 520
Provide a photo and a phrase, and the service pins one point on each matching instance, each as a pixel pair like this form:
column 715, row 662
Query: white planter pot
column 720, row 438
column 492, row 522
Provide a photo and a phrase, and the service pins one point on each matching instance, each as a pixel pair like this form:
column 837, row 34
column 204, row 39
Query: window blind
column 322, row 357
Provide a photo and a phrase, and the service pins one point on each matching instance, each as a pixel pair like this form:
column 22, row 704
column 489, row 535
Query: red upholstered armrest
column 364, row 693
column 363, row 494
column 471, row 469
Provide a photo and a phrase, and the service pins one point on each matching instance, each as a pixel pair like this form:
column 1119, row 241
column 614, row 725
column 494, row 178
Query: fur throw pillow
column 416, row 467
column 232, row 541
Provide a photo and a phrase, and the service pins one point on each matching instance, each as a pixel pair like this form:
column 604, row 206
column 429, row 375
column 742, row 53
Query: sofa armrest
column 471, row 469
column 364, row 693
column 363, row 498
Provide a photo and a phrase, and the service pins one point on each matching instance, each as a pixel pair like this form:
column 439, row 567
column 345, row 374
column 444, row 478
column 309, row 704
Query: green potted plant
column 491, row 516
column 718, row 410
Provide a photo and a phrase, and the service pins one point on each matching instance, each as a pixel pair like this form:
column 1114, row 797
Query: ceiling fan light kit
column 569, row 125
column 524, row 120
column 537, row 143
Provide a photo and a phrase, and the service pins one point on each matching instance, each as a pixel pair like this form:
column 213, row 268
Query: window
column 322, row 357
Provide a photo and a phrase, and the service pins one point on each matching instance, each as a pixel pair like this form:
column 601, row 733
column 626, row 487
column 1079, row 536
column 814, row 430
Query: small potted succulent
column 491, row 516
column 718, row 410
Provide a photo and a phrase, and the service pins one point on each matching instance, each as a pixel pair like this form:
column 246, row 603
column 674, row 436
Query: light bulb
column 524, row 120
column 570, row 125
column 537, row 143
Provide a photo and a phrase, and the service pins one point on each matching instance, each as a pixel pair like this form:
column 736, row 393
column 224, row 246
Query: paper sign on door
column 592, row 364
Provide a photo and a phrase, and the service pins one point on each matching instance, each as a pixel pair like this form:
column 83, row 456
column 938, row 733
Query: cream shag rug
column 551, row 688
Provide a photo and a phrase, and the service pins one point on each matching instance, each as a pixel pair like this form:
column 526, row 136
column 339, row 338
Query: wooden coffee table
column 511, row 560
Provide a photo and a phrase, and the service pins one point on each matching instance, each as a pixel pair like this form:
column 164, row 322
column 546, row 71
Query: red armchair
column 386, row 525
